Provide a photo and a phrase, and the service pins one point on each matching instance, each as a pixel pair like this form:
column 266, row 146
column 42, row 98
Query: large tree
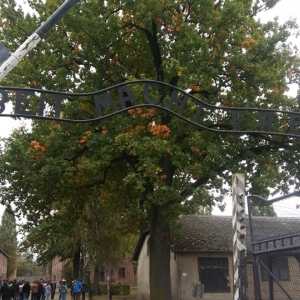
column 146, row 163
column 9, row 240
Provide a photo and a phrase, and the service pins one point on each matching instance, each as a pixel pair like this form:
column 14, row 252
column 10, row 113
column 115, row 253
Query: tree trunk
column 76, row 263
column 159, row 243
column 96, row 279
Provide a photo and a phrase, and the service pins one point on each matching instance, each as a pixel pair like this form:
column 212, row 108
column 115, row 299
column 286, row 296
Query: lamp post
column 108, row 288
column 9, row 61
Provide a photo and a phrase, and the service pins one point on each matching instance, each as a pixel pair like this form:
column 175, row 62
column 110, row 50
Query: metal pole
column 255, row 258
column 108, row 288
column 35, row 38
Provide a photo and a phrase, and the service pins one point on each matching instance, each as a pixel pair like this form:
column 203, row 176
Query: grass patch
column 132, row 296
column 114, row 297
column 133, row 290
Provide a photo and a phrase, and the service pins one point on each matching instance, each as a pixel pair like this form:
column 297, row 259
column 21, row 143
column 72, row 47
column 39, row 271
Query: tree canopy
column 143, row 165
column 8, row 240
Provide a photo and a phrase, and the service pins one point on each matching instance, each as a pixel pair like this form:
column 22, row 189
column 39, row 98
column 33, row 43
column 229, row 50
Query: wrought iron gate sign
column 146, row 93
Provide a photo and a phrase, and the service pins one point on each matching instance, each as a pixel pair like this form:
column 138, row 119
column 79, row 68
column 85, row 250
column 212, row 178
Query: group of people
column 40, row 290
column 23, row 290
column 78, row 289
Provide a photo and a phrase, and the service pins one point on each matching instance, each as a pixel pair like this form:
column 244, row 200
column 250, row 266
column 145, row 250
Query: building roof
column 4, row 253
column 203, row 233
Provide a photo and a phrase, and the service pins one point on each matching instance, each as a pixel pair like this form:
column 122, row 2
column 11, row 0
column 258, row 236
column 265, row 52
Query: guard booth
column 271, row 269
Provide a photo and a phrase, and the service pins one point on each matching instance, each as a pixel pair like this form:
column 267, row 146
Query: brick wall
column 57, row 267
column 125, row 273
column 3, row 264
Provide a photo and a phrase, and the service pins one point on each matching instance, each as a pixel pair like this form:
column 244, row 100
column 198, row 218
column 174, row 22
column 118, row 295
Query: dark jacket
column 40, row 289
column 26, row 288
column 5, row 290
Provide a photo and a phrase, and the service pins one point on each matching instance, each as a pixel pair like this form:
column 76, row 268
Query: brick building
column 57, row 267
column 124, row 274
column 3, row 264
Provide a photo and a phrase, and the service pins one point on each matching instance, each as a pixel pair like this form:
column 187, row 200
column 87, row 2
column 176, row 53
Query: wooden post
column 239, row 229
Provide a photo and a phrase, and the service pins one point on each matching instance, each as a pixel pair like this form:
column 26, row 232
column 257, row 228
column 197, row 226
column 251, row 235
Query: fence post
column 239, row 229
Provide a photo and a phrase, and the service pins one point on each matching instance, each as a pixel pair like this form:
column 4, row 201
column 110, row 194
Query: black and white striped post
column 239, row 229
column 14, row 58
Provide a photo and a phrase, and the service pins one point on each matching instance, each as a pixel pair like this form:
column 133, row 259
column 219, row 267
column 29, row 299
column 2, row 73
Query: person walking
column 5, row 291
column 40, row 292
column 16, row 289
column 48, row 290
column 83, row 290
column 21, row 284
column 63, row 290
column 26, row 290
column 53, row 289
column 34, row 290
column 77, row 289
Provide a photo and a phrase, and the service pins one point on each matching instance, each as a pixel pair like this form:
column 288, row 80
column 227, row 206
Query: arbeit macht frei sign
column 147, row 93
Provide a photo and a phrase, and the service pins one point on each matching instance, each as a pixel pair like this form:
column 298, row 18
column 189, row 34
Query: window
column 278, row 266
column 121, row 272
column 214, row 274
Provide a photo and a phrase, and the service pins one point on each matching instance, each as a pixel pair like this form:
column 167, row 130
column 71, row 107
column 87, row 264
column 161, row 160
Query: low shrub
column 115, row 289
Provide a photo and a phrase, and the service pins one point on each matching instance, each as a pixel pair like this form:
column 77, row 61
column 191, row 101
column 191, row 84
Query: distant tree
column 263, row 210
column 27, row 267
column 203, row 201
column 8, row 239
column 67, row 273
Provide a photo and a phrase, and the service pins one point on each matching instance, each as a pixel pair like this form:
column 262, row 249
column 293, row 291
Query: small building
column 202, row 251
column 3, row 264
column 124, row 274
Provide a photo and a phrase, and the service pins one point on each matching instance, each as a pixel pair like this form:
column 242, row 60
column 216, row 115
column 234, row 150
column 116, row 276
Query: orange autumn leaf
column 37, row 146
column 84, row 138
column 160, row 131
column 195, row 88
column 135, row 112
column 163, row 176
column 104, row 129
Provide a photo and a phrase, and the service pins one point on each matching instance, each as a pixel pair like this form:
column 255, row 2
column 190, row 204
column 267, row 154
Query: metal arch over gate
column 145, row 93
column 276, row 253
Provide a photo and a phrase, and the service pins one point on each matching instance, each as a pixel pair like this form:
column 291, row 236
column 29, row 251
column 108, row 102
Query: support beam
column 14, row 58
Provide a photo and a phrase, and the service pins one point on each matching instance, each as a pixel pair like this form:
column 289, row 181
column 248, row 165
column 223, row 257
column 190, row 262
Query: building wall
column 57, row 267
column 184, row 272
column 291, row 286
column 188, row 273
column 250, row 282
column 129, row 277
column 143, row 290
column 175, row 274
column 3, row 264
